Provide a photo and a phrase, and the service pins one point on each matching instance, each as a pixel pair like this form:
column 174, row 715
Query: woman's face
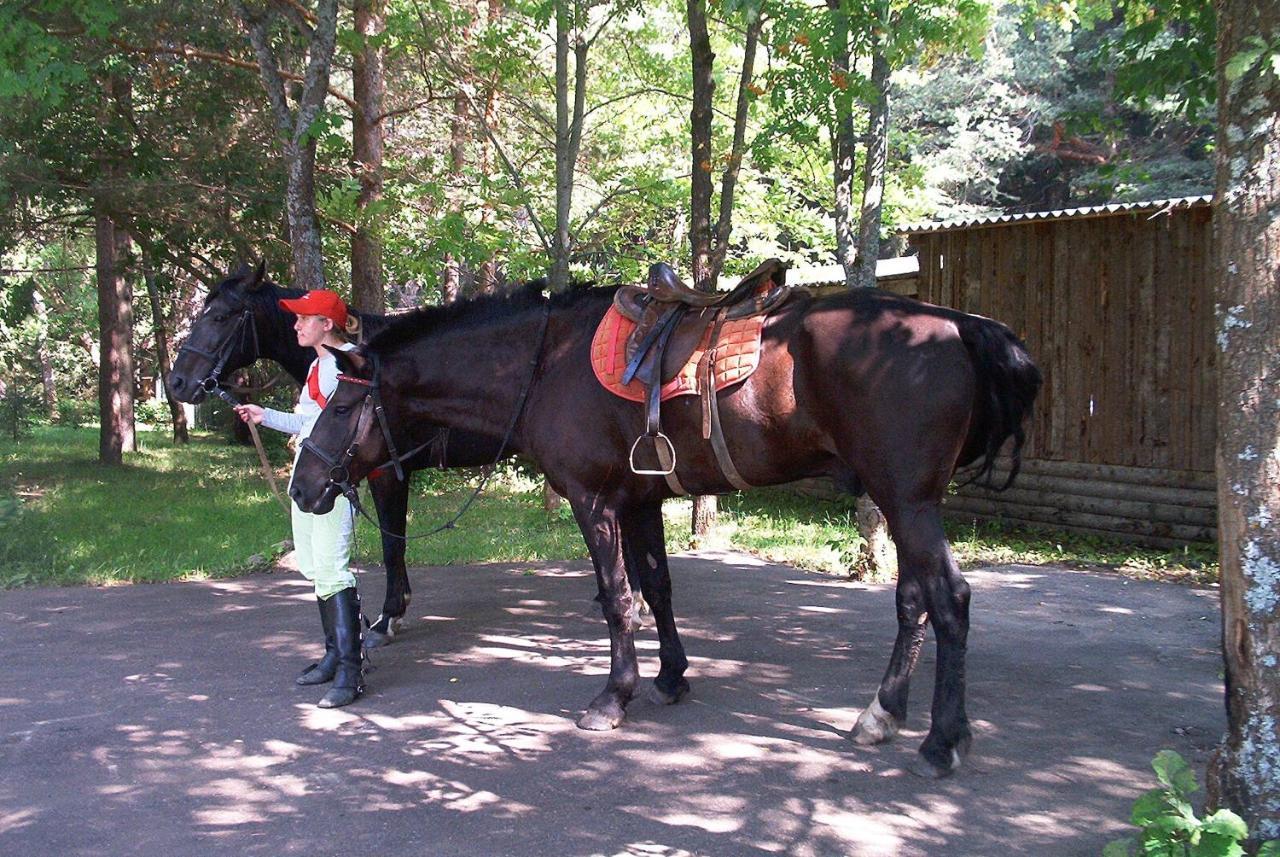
column 312, row 329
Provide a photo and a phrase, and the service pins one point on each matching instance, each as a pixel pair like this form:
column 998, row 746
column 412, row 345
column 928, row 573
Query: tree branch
column 196, row 53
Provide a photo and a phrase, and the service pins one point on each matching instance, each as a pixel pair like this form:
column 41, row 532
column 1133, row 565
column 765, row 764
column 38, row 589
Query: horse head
column 223, row 339
column 350, row 438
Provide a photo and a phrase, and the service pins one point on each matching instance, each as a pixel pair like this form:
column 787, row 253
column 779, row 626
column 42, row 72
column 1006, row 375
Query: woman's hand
column 250, row 413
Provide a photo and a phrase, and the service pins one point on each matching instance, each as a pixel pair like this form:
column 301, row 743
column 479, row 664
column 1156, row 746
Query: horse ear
column 349, row 362
column 259, row 275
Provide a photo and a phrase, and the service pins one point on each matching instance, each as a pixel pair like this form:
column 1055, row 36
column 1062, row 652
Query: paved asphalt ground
column 163, row 719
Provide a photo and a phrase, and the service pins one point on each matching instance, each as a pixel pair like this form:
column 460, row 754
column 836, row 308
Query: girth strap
column 711, row 429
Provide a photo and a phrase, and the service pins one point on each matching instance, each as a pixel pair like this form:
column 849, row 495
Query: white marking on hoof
column 635, row 619
column 874, row 726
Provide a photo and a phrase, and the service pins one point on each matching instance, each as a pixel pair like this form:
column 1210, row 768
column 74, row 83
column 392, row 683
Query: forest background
column 141, row 136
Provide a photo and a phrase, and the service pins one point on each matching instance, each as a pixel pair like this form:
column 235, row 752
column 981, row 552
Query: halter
column 243, row 330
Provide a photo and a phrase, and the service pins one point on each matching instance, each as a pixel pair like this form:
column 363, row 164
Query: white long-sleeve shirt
column 322, row 380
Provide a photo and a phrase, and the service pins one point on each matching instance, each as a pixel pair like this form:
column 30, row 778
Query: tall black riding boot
column 324, row 669
column 348, row 682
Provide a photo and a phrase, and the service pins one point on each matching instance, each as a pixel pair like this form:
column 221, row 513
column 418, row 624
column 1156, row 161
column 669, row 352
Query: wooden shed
column 1116, row 305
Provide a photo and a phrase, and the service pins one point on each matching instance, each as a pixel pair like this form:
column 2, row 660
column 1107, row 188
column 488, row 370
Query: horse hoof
column 925, row 769
column 596, row 720
column 874, row 726
column 381, row 633
column 658, row 696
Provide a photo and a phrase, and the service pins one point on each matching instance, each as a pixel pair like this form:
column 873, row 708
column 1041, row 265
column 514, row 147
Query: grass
column 203, row 511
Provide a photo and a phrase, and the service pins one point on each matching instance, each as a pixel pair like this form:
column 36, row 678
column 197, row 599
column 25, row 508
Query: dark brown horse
column 880, row 392
column 242, row 321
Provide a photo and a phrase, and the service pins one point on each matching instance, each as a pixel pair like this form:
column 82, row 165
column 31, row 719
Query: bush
column 1169, row 825
column 18, row 412
column 73, row 414
column 153, row 412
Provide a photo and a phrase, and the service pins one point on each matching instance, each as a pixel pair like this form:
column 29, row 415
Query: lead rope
column 267, row 472
column 353, row 496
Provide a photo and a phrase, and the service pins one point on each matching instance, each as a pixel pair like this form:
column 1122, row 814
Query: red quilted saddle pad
column 737, row 356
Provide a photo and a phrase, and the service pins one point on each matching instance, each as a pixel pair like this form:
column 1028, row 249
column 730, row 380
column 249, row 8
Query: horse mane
column 406, row 328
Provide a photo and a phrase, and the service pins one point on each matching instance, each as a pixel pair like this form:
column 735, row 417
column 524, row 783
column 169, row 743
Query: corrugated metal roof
column 822, row 275
column 1158, row 206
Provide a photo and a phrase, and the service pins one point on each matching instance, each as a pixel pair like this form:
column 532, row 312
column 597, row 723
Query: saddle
column 675, row 340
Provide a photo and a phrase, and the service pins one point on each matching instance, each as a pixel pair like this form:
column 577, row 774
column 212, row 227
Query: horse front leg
column 391, row 500
column 603, row 535
column 645, row 549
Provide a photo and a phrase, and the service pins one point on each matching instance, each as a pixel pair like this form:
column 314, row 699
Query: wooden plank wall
column 1117, row 310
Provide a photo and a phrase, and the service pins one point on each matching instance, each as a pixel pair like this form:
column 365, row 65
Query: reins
column 350, row 491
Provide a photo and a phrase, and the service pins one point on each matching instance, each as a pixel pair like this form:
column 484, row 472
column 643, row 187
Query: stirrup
column 669, row 464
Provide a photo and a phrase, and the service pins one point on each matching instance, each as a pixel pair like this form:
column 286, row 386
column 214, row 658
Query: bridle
column 370, row 407
column 243, row 330
column 339, row 467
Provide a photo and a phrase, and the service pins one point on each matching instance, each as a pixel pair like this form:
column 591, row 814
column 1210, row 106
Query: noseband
column 244, row 329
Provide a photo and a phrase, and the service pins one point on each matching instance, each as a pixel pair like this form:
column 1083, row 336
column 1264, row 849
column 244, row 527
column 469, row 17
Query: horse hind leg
column 925, row 557
column 887, row 713
column 391, row 500
column 646, row 555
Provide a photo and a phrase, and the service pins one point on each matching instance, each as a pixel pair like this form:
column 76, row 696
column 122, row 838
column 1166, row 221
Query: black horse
column 241, row 322
column 875, row 390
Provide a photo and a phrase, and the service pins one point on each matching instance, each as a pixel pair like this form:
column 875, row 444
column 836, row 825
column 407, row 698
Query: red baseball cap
column 319, row 302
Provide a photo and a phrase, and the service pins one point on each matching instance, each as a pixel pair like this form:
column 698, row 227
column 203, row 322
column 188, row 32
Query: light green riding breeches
column 322, row 546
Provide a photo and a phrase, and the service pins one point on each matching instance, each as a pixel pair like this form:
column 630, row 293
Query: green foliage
column 74, row 413
column 1169, row 826
column 1156, row 50
column 19, row 410
column 152, row 412
column 1256, row 54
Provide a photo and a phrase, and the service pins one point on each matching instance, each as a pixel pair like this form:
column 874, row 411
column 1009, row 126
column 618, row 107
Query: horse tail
column 1008, row 381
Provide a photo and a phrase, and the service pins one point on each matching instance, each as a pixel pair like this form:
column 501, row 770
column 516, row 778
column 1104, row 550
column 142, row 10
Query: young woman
column 322, row 543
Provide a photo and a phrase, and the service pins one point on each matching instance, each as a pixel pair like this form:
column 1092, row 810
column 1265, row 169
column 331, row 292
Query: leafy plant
column 152, row 412
column 1169, row 824
column 18, row 411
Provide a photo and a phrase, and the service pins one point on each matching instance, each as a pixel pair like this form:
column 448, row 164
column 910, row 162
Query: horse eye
column 342, row 409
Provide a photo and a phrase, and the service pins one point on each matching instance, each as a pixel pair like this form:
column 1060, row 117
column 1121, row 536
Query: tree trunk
column 877, row 559
column 459, row 122
column 708, row 246
column 842, row 141
column 115, row 337
column 296, row 130
column 1243, row 772
column 451, row 281
column 569, row 118
column 307, row 264
column 50, row 390
column 487, row 276
column 873, row 172
column 177, row 416
column 700, row 118
column 368, row 83
column 729, row 179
